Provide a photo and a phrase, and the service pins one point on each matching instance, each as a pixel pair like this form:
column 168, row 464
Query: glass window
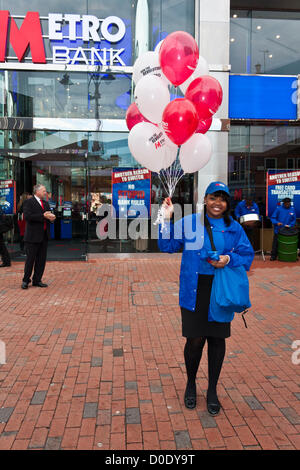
column 167, row 17
column 68, row 95
column 256, row 148
column 265, row 42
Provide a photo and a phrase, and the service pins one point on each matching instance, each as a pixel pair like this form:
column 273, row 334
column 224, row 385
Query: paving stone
column 72, row 336
column 253, row 403
column 182, row 439
column 53, row 443
column 130, row 385
column 56, row 331
column 39, row 397
column 34, row 338
column 133, row 416
column 96, row 361
column 118, row 352
column 90, row 410
column 207, row 420
column 5, row 414
column 291, row 415
column 270, row 352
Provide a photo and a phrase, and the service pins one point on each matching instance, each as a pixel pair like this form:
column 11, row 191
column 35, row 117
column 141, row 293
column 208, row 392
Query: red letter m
column 29, row 34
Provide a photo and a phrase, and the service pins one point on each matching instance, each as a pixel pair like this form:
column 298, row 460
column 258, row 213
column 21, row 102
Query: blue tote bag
column 230, row 291
column 231, row 288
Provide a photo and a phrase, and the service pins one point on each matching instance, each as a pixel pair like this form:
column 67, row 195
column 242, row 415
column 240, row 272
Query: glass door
column 65, row 178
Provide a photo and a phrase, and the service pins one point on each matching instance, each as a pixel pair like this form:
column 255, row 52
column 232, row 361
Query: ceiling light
column 232, row 39
column 270, row 56
column 277, row 36
column 234, row 16
column 258, row 27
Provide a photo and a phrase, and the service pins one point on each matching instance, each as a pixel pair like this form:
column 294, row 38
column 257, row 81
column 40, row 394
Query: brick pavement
column 95, row 361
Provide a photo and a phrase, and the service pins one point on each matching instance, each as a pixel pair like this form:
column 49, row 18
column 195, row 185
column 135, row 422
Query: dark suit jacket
column 33, row 214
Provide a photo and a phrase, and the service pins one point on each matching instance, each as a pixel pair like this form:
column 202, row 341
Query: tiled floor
column 95, row 361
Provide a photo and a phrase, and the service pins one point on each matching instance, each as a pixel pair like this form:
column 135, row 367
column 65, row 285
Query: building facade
column 66, row 83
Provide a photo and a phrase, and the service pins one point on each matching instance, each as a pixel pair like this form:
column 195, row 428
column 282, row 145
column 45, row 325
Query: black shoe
column 272, row 258
column 190, row 399
column 213, row 406
column 5, row 265
column 24, row 285
column 39, row 284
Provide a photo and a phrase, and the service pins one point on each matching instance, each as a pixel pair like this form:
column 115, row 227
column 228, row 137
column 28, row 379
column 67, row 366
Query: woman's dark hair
column 226, row 198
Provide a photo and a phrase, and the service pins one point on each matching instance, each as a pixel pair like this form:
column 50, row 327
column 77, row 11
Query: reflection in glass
column 68, row 94
column 254, row 149
column 264, row 42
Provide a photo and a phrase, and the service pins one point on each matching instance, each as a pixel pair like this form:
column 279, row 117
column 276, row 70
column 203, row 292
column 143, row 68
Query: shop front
column 65, row 86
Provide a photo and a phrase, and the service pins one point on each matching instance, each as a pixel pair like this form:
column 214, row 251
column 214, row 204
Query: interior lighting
column 232, row 39
column 258, row 27
column 277, row 36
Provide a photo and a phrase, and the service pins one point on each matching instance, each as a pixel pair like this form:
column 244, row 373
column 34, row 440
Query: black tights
column 192, row 356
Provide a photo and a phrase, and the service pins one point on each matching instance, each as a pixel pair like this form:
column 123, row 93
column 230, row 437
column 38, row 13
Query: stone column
column 212, row 28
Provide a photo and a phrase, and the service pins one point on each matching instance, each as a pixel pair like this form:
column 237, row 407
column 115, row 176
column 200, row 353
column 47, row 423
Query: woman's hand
column 223, row 260
column 168, row 207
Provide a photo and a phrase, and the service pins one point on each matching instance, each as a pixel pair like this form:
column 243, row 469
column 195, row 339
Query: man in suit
column 38, row 216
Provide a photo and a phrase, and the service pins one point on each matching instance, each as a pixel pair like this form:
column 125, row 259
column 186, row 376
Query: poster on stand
column 131, row 191
column 281, row 184
column 8, row 196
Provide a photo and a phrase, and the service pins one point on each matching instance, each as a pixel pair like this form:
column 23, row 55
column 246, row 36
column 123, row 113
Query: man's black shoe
column 39, row 284
column 24, row 285
column 4, row 265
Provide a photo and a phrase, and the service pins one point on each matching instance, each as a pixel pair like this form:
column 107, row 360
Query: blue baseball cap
column 217, row 186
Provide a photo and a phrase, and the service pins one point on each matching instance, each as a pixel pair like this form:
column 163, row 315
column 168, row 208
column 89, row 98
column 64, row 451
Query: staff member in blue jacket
column 283, row 216
column 247, row 206
column 196, row 276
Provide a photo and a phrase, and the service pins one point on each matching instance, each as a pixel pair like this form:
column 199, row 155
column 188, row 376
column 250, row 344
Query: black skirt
column 195, row 323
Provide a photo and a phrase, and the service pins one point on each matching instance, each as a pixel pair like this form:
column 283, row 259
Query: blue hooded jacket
column 181, row 236
column 285, row 215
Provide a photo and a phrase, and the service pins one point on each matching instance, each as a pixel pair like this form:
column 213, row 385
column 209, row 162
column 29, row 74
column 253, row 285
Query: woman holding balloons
column 160, row 129
column 196, row 277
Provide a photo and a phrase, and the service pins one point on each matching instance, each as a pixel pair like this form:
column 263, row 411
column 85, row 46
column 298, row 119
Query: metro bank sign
column 69, row 36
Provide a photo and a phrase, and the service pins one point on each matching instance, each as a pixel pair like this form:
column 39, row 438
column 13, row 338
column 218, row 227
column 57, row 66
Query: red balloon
column 180, row 120
column 203, row 126
column 134, row 116
column 178, row 56
column 206, row 94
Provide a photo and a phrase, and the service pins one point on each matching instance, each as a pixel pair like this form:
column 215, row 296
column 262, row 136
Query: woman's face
column 215, row 206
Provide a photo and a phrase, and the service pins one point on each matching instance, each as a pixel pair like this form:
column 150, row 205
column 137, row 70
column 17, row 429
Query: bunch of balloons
column 158, row 126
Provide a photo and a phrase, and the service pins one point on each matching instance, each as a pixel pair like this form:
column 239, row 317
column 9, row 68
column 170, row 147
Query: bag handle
column 208, row 229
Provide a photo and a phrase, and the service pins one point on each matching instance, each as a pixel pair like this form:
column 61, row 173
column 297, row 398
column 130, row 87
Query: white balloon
column 201, row 69
column 151, row 96
column 147, row 144
column 157, row 48
column 195, row 153
column 148, row 64
column 170, row 157
column 169, row 142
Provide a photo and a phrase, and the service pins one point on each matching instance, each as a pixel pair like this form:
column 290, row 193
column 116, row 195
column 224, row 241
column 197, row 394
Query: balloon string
column 171, row 175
